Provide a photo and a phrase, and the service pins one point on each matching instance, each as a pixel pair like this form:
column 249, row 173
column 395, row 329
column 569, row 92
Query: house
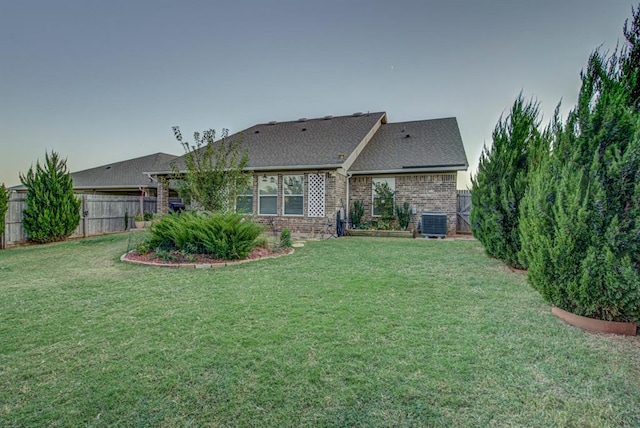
column 125, row 178
column 307, row 170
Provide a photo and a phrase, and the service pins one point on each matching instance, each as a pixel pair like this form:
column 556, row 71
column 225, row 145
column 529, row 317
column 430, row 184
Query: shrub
column 404, row 215
column 285, row 239
column 4, row 205
column 53, row 211
column 501, row 181
column 383, row 202
column 357, row 214
column 225, row 236
column 587, row 261
column 147, row 216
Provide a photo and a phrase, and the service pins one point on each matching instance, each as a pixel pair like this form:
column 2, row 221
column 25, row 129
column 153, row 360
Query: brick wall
column 426, row 192
column 335, row 194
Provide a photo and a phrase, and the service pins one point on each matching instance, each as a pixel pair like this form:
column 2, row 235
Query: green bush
column 501, row 181
column 383, row 202
column 225, row 236
column 285, row 239
column 4, row 205
column 357, row 214
column 404, row 215
column 53, row 211
column 581, row 216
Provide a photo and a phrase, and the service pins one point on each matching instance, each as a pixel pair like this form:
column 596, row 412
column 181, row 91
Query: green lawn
column 344, row 332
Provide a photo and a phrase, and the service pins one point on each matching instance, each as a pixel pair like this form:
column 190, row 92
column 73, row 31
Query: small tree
column 4, row 205
column 214, row 170
column 384, row 203
column 53, row 211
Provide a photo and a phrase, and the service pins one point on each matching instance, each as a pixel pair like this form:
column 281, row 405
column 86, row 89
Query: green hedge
column 225, row 236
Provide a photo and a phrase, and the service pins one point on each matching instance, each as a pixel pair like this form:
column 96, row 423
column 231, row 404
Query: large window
column 244, row 201
column 380, row 194
column 268, row 195
column 293, row 192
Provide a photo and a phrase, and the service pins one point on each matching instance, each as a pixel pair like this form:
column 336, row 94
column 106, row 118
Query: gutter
column 265, row 168
column 410, row 170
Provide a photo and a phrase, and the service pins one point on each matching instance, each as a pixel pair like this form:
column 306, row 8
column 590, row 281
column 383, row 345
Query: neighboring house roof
column 423, row 145
column 128, row 174
column 304, row 143
column 124, row 174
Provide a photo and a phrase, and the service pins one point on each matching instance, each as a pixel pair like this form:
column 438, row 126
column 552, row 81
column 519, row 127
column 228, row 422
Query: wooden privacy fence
column 464, row 211
column 99, row 214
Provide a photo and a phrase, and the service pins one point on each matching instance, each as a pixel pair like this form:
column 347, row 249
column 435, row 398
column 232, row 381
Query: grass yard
column 344, row 332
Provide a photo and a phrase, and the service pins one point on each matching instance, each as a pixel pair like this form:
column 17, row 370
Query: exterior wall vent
column 434, row 225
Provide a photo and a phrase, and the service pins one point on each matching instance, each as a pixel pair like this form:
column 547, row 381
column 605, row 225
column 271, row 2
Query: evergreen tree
column 53, row 211
column 4, row 205
column 631, row 58
column 584, row 251
column 501, row 181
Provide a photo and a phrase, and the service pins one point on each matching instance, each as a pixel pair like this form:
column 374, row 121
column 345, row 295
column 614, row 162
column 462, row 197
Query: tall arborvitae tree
column 501, row 181
column 53, row 211
column 4, row 205
column 586, row 257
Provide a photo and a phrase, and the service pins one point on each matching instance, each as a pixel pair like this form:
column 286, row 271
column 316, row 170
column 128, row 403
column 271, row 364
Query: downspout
column 346, row 209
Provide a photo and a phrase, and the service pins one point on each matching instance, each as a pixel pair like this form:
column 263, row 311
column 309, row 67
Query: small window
column 293, row 193
column 268, row 195
column 385, row 185
column 244, row 200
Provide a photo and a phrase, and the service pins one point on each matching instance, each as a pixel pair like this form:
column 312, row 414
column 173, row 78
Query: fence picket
column 104, row 214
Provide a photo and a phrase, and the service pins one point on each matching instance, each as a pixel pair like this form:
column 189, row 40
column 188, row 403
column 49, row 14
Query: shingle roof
column 124, row 174
column 302, row 143
column 409, row 146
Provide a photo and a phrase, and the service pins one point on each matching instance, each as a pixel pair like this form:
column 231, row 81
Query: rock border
column 124, row 259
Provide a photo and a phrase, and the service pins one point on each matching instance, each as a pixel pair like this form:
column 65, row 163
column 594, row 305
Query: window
column 244, row 201
column 268, row 195
column 386, row 188
column 293, row 192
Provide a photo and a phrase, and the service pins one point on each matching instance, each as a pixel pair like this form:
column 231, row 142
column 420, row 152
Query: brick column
column 163, row 195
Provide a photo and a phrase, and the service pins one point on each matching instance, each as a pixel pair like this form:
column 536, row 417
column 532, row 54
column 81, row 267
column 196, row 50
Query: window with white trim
column 391, row 182
column 293, row 194
column 244, row 200
column 268, row 195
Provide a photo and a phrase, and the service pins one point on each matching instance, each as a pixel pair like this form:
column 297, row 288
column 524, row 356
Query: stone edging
column 592, row 324
column 123, row 259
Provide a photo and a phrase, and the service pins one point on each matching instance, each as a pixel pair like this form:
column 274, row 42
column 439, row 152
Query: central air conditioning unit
column 434, row 225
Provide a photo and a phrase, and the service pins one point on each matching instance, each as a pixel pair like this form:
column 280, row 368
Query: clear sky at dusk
column 104, row 81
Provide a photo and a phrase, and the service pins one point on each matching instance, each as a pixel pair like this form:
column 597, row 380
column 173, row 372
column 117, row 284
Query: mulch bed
column 203, row 259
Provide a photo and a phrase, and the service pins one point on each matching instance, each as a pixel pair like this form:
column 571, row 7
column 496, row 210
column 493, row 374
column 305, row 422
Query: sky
column 104, row 81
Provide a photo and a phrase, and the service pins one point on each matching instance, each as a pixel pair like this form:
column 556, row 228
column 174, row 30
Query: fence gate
column 464, row 212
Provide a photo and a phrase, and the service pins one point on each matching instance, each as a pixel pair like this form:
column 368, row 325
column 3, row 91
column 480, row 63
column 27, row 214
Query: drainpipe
column 346, row 208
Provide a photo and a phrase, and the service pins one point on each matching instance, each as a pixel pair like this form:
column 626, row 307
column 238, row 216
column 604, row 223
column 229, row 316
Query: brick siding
column 426, row 192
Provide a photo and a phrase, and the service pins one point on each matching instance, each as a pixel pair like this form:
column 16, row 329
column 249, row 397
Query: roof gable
column 423, row 145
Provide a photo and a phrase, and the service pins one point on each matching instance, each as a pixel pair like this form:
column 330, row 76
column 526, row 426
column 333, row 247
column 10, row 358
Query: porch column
column 163, row 195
